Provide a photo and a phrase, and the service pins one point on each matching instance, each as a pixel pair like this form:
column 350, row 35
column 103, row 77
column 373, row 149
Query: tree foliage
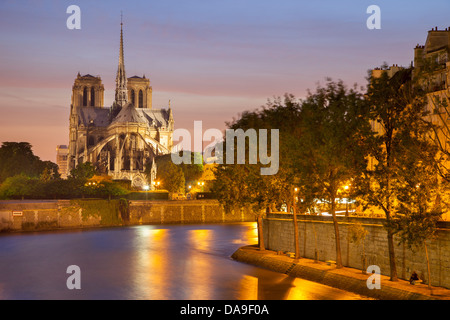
column 17, row 158
column 170, row 175
column 400, row 152
column 331, row 151
column 243, row 185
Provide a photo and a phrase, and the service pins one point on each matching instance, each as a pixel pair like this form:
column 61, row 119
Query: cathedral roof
column 98, row 117
column 156, row 118
column 129, row 114
column 150, row 117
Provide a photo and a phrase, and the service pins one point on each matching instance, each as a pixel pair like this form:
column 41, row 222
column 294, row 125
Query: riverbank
column 348, row 279
column 44, row 215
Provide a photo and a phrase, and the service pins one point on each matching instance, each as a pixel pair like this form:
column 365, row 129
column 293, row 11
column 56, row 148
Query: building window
column 141, row 99
column 92, row 97
column 85, row 97
column 133, row 99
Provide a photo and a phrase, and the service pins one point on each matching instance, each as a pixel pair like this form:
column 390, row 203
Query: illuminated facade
column 432, row 69
column 62, row 152
column 122, row 140
column 432, row 61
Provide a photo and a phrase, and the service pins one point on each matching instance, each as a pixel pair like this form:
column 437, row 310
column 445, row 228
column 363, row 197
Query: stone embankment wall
column 317, row 240
column 48, row 215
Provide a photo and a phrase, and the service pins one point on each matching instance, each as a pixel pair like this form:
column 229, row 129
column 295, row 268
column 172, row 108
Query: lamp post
column 346, row 187
column 296, row 244
column 156, row 184
column 146, row 188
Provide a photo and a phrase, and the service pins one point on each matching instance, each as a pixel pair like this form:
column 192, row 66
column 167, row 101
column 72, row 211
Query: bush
column 24, row 187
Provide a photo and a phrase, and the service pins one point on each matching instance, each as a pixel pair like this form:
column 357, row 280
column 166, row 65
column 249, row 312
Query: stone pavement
column 348, row 279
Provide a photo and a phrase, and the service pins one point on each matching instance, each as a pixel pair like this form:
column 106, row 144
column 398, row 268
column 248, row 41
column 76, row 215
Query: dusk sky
column 212, row 59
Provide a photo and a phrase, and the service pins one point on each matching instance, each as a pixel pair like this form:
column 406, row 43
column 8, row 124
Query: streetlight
column 156, row 184
column 146, row 188
column 346, row 187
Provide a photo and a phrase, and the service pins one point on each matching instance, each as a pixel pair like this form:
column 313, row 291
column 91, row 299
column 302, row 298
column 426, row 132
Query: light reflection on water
column 164, row 262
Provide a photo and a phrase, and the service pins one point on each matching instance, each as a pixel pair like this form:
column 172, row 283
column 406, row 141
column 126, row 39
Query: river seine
column 156, row 262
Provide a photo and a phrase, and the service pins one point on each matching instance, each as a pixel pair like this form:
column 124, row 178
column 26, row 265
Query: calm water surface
column 173, row 262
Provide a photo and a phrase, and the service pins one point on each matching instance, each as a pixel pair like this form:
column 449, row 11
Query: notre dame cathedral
column 123, row 140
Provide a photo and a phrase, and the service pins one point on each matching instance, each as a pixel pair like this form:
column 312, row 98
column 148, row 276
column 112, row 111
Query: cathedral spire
column 121, row 79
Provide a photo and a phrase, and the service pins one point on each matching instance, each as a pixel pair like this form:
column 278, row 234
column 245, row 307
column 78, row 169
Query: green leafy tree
column 191, row 171
column 17, row 187
column 419, row 205
column 171, row 176
column 17, row 158
column 83, row 171
column 397, row 110
column 111, row 189
column 357, row 234
column 331, row 151
column 243, row 185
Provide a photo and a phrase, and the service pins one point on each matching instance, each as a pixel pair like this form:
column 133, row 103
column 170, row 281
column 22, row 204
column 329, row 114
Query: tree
column 17, row 187
column 242, row 185
column 83, row 171
column 49, row 171
column 285, row 115
column 357, row 234
column 419, row 205
column 171, row 176
column 396, row 107
column 331, row 151
column 17, row 158
column 193, row 171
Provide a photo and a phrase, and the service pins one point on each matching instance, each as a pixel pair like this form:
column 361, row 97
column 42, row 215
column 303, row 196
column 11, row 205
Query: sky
column 213, row 59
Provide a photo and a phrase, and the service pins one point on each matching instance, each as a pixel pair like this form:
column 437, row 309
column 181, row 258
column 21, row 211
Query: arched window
column 85, row 97
column 141, row 99
column 92, row 97
column 133, row 99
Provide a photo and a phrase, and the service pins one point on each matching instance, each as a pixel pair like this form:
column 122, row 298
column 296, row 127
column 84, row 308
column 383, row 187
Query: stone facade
column 317, row 239
column 122, row 140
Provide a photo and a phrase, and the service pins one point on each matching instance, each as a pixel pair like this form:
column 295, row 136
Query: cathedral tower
column 140, row 92
column 121, row 79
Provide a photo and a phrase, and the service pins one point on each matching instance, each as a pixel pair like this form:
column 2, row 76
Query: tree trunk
column 336, row 234
column 364, row 271
column 428, row 266
column 296, row 241
column 390, row 235
column 316, row 252
column 392, row 264
column 260, row 233
column 390, row 239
